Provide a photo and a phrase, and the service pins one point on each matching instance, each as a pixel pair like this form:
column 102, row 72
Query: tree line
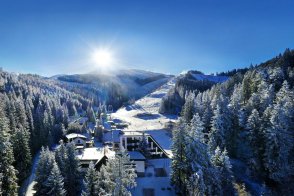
column 248, row 118
column 34, row 112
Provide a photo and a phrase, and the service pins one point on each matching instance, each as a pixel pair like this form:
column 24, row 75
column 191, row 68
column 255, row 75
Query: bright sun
column 102, row 57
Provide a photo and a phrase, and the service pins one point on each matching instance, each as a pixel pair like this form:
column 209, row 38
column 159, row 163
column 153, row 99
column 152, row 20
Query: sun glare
column 102, row 58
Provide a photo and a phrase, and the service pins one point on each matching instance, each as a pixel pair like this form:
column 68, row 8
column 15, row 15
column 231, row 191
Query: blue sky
column 50, row 37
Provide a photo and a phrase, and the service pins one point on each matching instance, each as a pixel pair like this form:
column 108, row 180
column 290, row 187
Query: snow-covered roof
column 75, row 135
column 134, row 133
column 136, row 155
column 163, row 140
column 91, row 154
column 112, row 136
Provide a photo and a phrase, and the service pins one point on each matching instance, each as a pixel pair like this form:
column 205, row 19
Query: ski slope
column 143, row 115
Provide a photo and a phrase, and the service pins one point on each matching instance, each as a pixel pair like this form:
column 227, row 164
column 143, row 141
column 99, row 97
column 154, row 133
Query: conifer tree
column 44, row 167
column 180, row 164
column 188, row 108
column 91, row 186
column 105, row 183
column 123, row 173
column 61, row 157
column 255, row 138
column 221, row 161
column 91, row 114
column 54, row 182
column 279, row 136
column 217, row 134
column 196, row 184
column 9, row 179
column 22, row 153
column 72, row 176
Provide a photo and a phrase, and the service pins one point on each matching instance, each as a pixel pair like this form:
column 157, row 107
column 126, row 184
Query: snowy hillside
column 115, row 88
column 143, row 115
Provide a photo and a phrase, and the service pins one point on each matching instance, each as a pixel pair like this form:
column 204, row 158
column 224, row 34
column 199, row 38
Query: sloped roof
column 75, row 135
column 91, row 154
column 112, row 136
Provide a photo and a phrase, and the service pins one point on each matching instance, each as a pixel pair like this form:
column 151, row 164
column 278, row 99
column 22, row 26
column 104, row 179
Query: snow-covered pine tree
column 188, row 108
column 197, row 157
column 196, row 128
column 72, row 178
column 91, row 114
column 222, row 163
column 255, row 139
column 9, row 179
column 196, row 184
column 218, row 129
column 196, row 150
column 279, row 136
column 105, row 183
column 235, row 106
column 43, row 170
column 267, row 93
column 20, row 142
column 22, row 152
column 54, row 182
column 61, row 157
column 123, row 173
column 180, row 165
column 90, row 182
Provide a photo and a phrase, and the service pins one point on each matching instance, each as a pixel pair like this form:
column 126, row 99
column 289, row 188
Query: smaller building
column 112, row 138
column 78, row 139
column 97, row 156
column 139, row 159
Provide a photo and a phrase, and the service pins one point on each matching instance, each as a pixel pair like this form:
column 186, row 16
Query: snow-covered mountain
column 115, row 88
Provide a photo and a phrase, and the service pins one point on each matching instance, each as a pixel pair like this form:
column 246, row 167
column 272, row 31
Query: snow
column 211, row 78
column 75, row 135
column 95, row 154
column 89, row 154
column 27, row 188
column 143, row 115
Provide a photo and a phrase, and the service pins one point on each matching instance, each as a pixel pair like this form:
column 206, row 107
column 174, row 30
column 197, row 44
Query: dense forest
column 246, row 122
column 34, row 112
